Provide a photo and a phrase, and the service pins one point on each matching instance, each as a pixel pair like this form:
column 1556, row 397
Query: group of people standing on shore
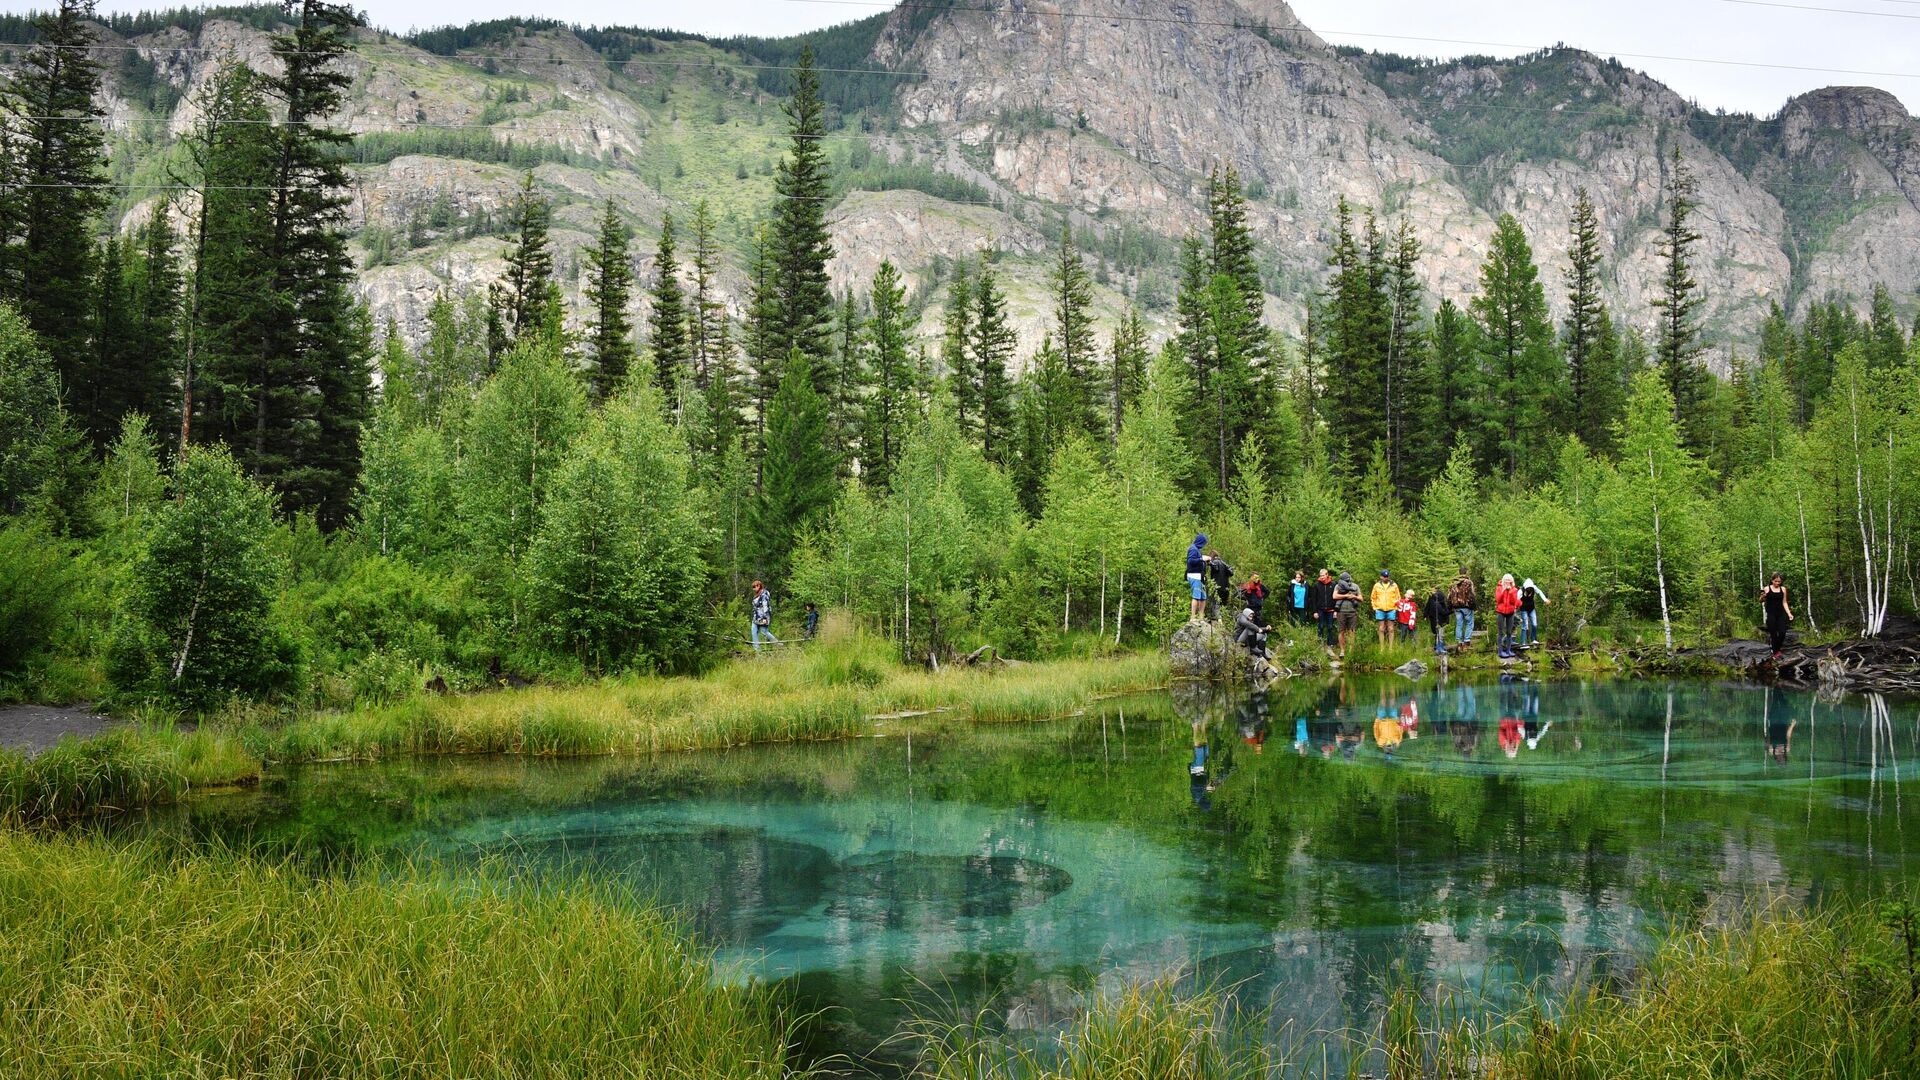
column 1333, row 606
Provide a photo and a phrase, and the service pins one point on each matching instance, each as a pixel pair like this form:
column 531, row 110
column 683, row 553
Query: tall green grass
column 126, row 767
column 118, row 962
column 1831, row 994
column 844, row 687
column 1151, row 1031
column 834, row 690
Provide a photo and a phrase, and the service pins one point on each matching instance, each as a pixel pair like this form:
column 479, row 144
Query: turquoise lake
column 1302, row 846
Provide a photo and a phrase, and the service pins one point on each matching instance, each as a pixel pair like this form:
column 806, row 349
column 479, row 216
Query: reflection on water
column 1297, row 845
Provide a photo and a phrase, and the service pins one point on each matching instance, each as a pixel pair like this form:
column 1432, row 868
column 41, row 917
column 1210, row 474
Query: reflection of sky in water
column 1299, row 846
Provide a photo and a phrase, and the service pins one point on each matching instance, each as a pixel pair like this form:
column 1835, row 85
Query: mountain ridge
column 999, row 125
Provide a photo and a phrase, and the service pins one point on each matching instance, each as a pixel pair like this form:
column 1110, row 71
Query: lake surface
column 1302, row 846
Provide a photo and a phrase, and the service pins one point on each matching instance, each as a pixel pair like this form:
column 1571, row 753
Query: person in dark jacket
column 1222, row 577
column 1250, row 634
column 1254, row 594
column 1197, row 577
column 813, row 620
column 761, row 602
column 1320, row 604
column 1439, row 606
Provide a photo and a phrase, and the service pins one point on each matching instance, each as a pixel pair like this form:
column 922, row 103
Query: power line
column 1829, row 10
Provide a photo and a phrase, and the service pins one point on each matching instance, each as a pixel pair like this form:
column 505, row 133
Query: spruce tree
column 609, row 292
column 322, row 342
column 1454, row 376
column 1127, row 359
column 1356, row 344
column 956, row 328
column 1413, row 454
column 991, row 352
column 888, row 375
column 799, row 471
column 667, row 316
column 793, row 296
column 522, row 296
column 706, row 312
column 1594, row 388
column 1073, row 330
column 230, row 291
column 1677, row 344
column 59, row 156
column 111, row 389
column 846, row 381
column 157, row 298
column 1518, row 375
column 1886, row 342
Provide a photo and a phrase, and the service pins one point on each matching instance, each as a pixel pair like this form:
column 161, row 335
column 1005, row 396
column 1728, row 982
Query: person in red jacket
column 1506, row 604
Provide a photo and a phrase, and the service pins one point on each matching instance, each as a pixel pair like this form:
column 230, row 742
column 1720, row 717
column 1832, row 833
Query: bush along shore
column 836, row 689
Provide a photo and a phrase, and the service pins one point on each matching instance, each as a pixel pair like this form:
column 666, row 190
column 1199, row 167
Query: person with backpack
column 1531, row 598
column 1346, row 610
column 1439, row 606
column 1462, row 597
column 761, row 602
column 1298, row 592
column 1222, row 575
column 1320, row 605
column 813, row 621
column 1506, row 607
column 1385, row 598
column 1197, row 576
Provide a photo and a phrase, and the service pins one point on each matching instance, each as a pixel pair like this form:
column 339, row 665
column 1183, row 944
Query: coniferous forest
column 221, row 478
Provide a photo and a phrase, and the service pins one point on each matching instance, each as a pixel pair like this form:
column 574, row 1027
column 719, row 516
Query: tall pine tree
column 1677, row 343
column 50, row 219
column 1127, row 358
column 793, row 302
column 1595, row 390
column 1073, row 330
column 1518, row 365
column 1357, row 322
column 991, row 351
column 609, row 292
column 800, row 471
column 956, row 327
column 889, row 379
column 667, row 316
column 707, row 335
column 524, row 296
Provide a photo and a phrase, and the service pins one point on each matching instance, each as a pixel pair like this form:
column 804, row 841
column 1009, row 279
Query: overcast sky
column 1872, row 42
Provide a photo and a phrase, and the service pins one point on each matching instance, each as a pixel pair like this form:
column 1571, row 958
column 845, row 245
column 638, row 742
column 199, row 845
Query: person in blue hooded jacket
column 1197, row 577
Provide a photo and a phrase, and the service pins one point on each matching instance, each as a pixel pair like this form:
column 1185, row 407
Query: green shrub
column 36, row 577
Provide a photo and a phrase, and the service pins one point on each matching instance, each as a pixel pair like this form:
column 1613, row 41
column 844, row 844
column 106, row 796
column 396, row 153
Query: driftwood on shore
column 1889, row 663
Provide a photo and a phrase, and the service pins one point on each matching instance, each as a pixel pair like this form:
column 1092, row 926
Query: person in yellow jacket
column 1386, row 597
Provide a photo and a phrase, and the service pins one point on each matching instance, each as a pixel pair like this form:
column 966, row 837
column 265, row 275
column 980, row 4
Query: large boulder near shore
column 1206, row 650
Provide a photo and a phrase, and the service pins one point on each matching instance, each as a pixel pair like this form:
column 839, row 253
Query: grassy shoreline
column 839, row 690
column 124, row 961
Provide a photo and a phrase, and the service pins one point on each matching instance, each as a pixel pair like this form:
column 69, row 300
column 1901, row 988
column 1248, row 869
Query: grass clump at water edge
column 124, row 768
column 124, row 962
column 1149, row 1030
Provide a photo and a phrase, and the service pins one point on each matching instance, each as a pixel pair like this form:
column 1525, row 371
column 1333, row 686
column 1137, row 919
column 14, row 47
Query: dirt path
column 32, row 728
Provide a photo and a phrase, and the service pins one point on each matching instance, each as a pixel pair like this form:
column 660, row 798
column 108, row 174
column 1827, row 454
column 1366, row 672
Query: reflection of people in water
column 1300, row 737
column 1410, row 718
column 1779, row 735
column 1197, row 772
column 1511, row 732
column 1387, row 732
column 1530, row 714
column 1254, row 720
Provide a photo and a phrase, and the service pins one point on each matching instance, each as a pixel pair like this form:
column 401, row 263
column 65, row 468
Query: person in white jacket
column 1531, row 600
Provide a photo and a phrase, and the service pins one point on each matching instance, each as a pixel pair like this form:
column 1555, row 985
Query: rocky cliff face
column 1107, row 115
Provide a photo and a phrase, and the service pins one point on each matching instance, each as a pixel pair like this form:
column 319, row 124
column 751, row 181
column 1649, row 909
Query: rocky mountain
column 970, row 126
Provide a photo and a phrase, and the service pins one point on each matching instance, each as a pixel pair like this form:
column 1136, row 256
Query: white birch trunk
column 1659, row 557
column 1806, row 562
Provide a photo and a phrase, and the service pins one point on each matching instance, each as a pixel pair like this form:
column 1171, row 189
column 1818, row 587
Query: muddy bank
column 29, row 729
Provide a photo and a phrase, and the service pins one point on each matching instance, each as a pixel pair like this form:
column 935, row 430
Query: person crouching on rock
column 1251, row 635
column 1197, row 576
